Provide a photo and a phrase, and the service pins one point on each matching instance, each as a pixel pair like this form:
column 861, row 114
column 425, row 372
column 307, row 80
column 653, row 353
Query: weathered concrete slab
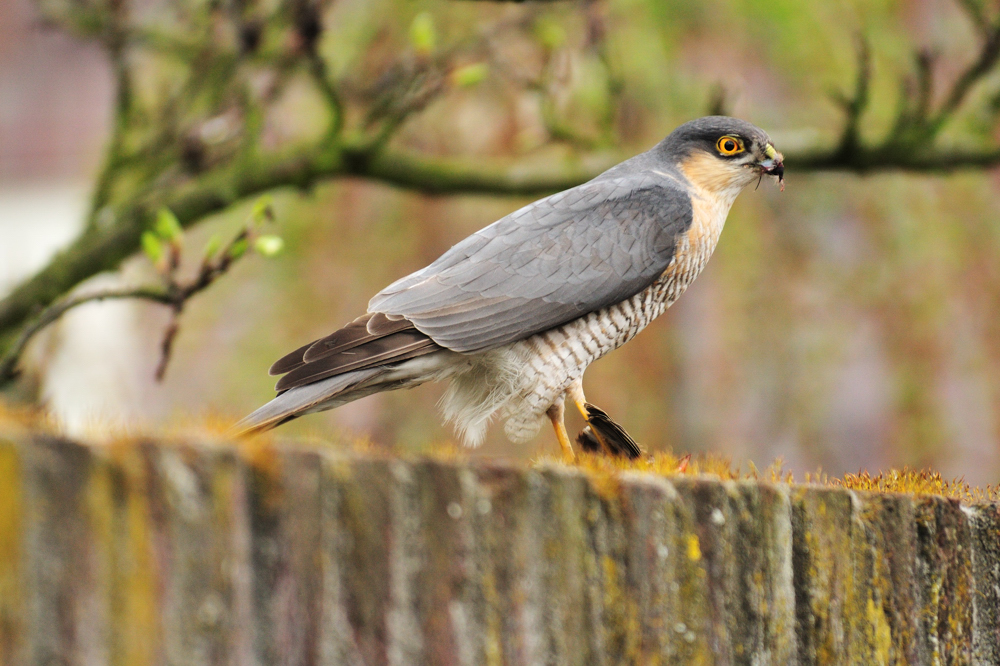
column 823, row 532
column 13, row 620
column 197, row 553
column 984, row 527
column 284, row 508
column 60, row 571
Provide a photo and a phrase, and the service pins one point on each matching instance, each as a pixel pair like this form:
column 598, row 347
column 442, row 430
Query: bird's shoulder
column 659, row 193
column 650, row 206
column 547, row 263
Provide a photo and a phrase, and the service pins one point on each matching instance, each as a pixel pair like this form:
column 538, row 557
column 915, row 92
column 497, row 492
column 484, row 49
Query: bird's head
column 722, row 155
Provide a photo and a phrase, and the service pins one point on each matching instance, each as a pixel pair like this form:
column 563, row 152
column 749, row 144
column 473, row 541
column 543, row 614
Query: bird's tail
column 318, row 396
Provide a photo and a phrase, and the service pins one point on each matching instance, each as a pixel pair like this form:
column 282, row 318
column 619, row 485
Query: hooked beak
column 773, row 165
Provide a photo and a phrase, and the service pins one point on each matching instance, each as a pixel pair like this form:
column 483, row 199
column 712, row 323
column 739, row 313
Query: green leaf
column 167, row 226
column 152, row 246
column 550, row 34
column 269, row 246
column 469, row 75
column 212, row 246
column 238, row 249
column 263, row 209
column 422, row 33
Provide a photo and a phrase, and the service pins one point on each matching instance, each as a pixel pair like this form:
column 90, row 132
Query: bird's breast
column 694, row 246
column 558, row 355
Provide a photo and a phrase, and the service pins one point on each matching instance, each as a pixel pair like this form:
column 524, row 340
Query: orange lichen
column 662, row 463
column 25, row 417
column 906, row 481
column 912, row 482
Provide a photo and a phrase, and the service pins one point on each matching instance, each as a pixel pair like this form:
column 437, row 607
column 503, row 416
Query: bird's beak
column 773, row 165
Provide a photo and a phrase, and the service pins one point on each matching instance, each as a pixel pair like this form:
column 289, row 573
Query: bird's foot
column 603, row 435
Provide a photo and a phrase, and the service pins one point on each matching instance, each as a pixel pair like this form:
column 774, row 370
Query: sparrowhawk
column 513, row 315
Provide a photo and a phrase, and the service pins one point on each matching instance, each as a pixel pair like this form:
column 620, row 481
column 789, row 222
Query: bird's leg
column 556, row 414
column 580, row 400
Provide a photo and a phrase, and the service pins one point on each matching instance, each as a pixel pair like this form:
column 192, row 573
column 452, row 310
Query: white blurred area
column 36, row 219
column 85, row 363
column 54, row 114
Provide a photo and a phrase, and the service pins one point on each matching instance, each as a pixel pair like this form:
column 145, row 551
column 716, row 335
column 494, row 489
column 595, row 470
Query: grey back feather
column 548, row 263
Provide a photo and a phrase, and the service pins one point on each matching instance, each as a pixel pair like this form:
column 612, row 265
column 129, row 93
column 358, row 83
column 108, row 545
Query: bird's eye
column 729, row 145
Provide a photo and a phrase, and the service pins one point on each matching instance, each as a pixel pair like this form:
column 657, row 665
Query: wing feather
column 360, row 331
column 375, row 352
column 545, row 264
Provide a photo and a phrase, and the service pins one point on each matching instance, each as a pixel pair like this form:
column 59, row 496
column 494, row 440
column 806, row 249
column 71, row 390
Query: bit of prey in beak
column 772, row 166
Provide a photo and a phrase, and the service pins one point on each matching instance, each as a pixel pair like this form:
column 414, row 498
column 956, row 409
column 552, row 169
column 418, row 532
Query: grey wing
column 546, row 264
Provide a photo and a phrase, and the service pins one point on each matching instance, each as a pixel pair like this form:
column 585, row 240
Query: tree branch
column 909, row 146
column 173, row 294
column 8, row 363
column 855, row 105
column 318, row 71
column 867, row 159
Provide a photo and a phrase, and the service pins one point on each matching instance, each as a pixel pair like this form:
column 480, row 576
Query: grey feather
column 295, row 402
column 546, row 264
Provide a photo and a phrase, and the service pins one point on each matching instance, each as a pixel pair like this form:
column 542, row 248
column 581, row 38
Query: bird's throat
column 715, row 179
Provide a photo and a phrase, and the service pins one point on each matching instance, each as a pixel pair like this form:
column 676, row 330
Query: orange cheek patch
column 710, row 173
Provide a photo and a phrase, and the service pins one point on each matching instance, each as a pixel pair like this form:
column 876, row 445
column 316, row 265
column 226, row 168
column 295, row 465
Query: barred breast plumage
column 558, row 358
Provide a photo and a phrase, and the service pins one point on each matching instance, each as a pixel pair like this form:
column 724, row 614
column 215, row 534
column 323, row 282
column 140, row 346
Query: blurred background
column 851, row 322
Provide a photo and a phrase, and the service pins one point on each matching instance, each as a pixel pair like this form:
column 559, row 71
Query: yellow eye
column 729, row 145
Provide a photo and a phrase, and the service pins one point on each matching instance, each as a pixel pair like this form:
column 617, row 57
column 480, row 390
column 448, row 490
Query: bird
column 513, row 315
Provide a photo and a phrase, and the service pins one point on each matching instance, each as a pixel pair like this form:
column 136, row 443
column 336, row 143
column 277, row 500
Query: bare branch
column 977, row 15
column 718, row 102
column 867, row 159
column 172, row 294
column 910, row 144
column 8, row 363
column 925, row 83
column 167, row 346
column 318, row 72
column 973, row 74
column 856, row 104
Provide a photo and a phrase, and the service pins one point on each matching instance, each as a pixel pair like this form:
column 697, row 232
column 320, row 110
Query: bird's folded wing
column 368, row 341
column 546, row 264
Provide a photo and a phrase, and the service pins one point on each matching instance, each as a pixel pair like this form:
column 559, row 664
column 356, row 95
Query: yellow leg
column 579, row 399
column 556, row 413
column 575, row 393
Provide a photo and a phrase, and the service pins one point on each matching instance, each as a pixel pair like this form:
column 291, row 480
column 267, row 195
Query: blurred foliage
column 851, row 322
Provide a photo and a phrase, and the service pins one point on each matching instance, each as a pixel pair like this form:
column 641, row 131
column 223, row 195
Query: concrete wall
column 206, row 554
